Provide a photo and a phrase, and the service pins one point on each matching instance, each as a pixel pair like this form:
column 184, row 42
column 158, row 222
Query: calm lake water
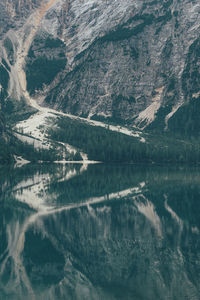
column 99, row 232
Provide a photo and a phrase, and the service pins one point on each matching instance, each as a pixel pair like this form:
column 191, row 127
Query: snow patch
column 35, row 127
column 33, row 192
column 196, row 95
column 142, row 184
column 20, row 161
column 142, row 140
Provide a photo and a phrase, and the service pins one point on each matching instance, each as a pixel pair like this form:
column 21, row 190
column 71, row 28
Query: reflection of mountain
column 136, row 237
column 117, row 249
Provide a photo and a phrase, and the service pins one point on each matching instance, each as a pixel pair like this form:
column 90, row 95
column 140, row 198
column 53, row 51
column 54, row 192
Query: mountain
column 134, row 63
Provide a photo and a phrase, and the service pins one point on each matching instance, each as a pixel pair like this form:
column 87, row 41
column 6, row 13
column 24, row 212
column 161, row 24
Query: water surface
column 99, row 232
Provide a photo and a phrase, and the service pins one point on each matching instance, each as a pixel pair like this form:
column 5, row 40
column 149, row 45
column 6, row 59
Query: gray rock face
column 129, row 61
column 127, row 56
column 14, row 12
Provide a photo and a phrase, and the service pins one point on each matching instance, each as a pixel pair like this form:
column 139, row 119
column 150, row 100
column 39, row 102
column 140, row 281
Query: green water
column 99, row 232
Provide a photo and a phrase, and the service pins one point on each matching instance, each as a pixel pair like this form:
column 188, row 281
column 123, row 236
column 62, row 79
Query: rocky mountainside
column 133, row 62
column 14, row 12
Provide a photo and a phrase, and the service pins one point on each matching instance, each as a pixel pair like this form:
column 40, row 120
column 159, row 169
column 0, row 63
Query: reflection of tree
column 138, row 227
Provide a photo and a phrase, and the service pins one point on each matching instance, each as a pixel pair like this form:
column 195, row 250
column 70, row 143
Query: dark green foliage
column 4, row 77
column 158, row 125
column 97, row 181
column 147, row 4
column 5, row 64
column 120, row 98
column 15, row 147
column 186, row 121
column 164, row 18
column 125, row 31
column 53, row 43
column 98, row 143
column 9, row 49
column 171, row 84
column 107, row 146
column 5, row 152
column 113, row 120
column 117, row 103
column 15, row 111
column 176, row 24
column 77, row 156
column 30, row 153
column 31, row 53
column 134, row 53
column 8, row 107
column 48, row 266
column 42, row 71
column 43, row 245
column 191, row 74
column 166, row 4
column 167, row 49
column 46, row 58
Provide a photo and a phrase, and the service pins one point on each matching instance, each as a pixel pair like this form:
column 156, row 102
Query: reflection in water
column 99, row 232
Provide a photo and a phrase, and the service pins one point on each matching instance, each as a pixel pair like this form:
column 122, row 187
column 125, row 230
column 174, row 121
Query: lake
column 100, row 232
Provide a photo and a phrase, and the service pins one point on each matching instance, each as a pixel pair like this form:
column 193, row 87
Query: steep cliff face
column 128, row 61
column 14, row 12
